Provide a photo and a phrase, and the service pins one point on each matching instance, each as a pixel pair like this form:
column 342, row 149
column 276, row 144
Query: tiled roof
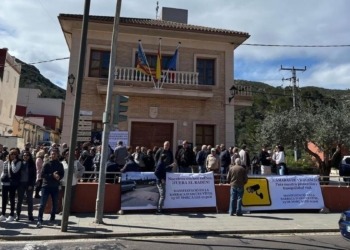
column 159, row 24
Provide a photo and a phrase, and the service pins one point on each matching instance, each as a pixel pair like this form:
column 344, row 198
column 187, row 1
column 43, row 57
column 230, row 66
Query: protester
column 39, row 162
column 167, row 151
column 26, row 185
column 200, row 159
column 130, row 165
column 111, row 169
column 185, row 158
column 78, row 172
column 52, row 173
column 237, row 177
column 212, row 161
column 265, row 161
column 281, row 161
column 243, row 155
column 225, row 161
column 10, row 178
column 160, row 173
column 120, row 153
column 148, row 159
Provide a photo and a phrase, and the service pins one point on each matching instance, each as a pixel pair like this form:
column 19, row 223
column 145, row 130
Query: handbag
column 5, row 178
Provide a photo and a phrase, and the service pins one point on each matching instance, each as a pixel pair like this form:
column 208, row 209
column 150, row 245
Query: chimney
column 175, row 15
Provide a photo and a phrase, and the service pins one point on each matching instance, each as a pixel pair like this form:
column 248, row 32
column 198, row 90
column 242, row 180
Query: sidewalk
column 147, row 224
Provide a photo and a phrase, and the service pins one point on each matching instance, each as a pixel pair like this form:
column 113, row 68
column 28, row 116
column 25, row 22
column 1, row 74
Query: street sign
column 84, row 126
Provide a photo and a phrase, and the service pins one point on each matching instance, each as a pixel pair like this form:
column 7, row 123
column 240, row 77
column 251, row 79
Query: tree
column 323, row 125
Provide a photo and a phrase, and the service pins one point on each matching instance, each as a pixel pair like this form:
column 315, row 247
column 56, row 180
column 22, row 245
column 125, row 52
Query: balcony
column 168, row 77
column 179, row 84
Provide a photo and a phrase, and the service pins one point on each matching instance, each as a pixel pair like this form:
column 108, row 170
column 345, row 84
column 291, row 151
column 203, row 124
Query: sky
column 31, row 31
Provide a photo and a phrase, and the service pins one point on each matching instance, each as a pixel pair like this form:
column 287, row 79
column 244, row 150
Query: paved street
column 329, row 241
column 188, row 224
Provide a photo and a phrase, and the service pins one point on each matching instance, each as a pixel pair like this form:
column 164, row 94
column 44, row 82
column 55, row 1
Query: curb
column 150, row 234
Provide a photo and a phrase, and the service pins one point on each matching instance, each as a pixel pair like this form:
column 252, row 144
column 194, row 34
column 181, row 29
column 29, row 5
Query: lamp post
column 232, row 92
column 71, row 80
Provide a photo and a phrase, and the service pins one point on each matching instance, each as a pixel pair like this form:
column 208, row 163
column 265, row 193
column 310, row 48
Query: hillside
column 268, row 99
column 31, row 78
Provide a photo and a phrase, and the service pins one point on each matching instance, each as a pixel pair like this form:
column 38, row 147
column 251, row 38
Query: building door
column 205, row 135
column 150, row 134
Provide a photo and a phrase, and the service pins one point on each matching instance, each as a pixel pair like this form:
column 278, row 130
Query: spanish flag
column 159, row 63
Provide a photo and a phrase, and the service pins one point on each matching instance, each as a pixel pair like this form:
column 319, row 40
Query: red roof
column 152, row 23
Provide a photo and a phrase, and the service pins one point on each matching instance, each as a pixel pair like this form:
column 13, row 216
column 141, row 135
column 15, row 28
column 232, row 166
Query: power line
column 52, row 60
column 295, row 46
column 263, row 91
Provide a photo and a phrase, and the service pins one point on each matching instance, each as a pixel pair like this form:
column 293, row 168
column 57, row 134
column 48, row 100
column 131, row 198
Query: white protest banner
column 115, row 136
column 185, row 190
column 283, row 192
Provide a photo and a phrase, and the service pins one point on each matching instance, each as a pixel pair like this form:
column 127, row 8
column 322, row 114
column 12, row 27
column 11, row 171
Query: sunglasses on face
column 13, row 154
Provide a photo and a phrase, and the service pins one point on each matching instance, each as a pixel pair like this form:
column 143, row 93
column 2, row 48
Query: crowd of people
column 40, row 172
column 35, row 173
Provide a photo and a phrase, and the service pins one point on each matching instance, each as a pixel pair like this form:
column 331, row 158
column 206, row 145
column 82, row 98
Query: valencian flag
column 159, row 63
column 142, row 64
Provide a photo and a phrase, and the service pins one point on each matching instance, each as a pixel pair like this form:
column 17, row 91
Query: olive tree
column 325, row 126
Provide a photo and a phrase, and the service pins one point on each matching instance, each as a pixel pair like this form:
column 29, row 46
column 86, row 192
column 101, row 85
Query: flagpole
column 159, row 61
column 167, row 72
column 149, row 69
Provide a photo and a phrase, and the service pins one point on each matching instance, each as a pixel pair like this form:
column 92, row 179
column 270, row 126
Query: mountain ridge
column 32, row 78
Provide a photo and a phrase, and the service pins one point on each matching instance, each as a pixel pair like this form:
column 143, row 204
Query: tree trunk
column 324, row 166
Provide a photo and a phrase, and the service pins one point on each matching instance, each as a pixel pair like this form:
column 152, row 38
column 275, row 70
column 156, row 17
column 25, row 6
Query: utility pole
column 107, row 121
column 76, row 111
column 294, row 80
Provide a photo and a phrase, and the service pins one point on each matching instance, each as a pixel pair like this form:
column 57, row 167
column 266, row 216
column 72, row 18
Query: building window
column 99, row 63
column 206, row 70
column 205, row 135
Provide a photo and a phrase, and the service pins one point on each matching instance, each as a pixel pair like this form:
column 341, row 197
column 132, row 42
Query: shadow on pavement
column 267, row 217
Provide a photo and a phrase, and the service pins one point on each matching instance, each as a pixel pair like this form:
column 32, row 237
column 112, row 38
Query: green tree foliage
column 324, row 125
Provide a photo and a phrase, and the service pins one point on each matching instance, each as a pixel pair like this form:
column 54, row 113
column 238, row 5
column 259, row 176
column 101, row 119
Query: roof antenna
column 157, row 9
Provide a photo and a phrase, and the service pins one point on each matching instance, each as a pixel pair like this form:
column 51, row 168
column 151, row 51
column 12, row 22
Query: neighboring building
column 193, row 103
column 50, row 108
column 38, row 119
column 32, row 129
column 10, row 73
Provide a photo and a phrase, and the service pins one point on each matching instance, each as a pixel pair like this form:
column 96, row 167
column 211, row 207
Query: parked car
column 344, row 169
column 128, row 186
column 344, row 224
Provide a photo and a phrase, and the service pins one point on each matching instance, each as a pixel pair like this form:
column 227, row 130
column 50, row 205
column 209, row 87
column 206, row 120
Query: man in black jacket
column 265, row 161
column 201, row 158
column 52, row 173
column 225, row 161
column 185, row 158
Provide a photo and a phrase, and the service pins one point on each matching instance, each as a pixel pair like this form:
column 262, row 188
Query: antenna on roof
column 157, row 9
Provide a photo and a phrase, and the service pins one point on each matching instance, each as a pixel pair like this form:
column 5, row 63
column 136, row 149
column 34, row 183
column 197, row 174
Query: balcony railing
column 243, row 90
column 168, row 77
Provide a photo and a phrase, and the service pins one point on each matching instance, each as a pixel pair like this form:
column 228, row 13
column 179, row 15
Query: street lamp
column 71, row 80
column 232, row 92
